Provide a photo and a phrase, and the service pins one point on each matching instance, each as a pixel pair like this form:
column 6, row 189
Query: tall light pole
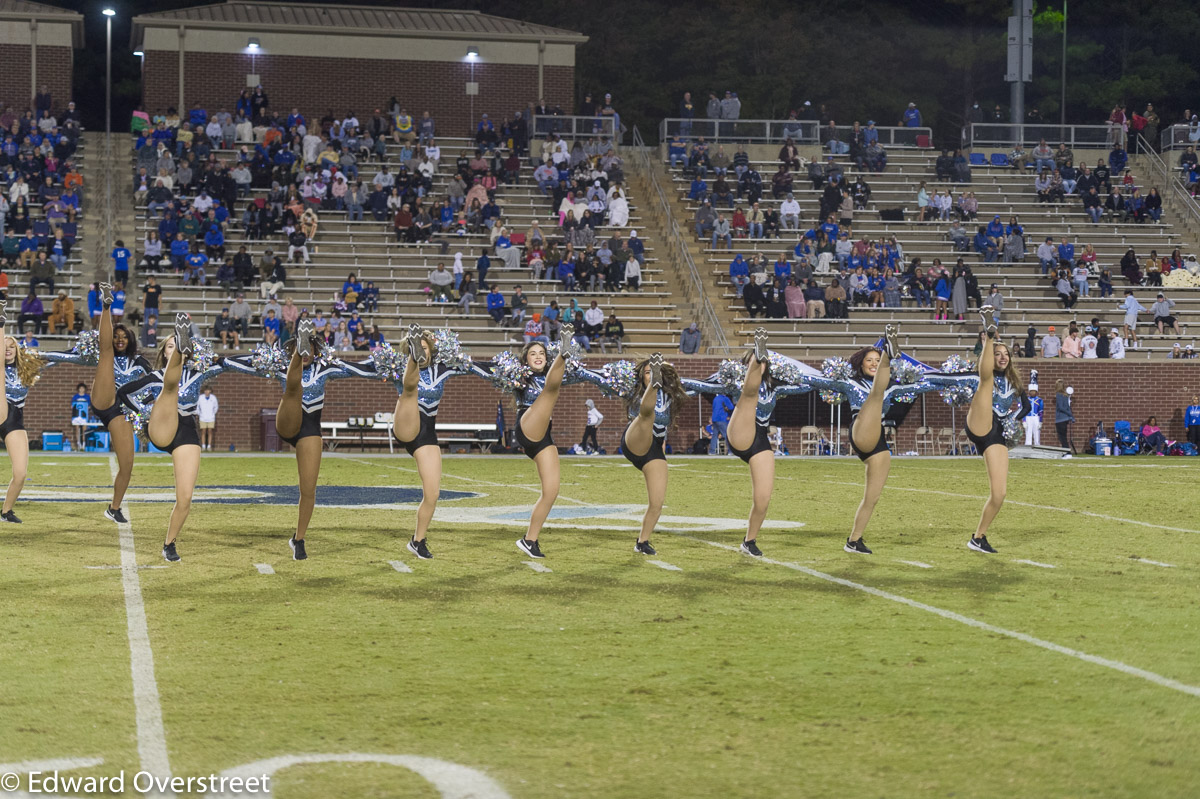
column 109, row 12
column 1062, row 117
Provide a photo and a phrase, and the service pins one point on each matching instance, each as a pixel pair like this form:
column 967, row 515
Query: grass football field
column 1067, row 665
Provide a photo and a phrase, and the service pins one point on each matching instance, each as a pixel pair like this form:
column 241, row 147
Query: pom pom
column 269, row 361
column 906, row 372
column 957, row 364
column 449, row 351
column 1014, row 431
column 835, row 369
column 731, row 374
column 389, row 362
column 202, row 356
column 617, row 378
column 87, row 344
column 957, row 395
column 787, row 371
column 508, row 373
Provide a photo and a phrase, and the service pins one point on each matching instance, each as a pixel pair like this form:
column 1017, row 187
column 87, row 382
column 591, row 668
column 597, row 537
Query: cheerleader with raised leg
column 298, row 419
column 22, row 368
column 171, row 426
column 999, row 401
column 119, row 364
column 651, row 413
column 414, row 423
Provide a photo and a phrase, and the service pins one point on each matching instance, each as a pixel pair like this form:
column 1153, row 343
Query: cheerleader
column 998, row 402
column 298, row 419
column 748, row 431
column 22, row 368
column 414, row 426
column 870, row 395
column 642, row 443
column 171, row 425
column 536, row 396
column 119, row 364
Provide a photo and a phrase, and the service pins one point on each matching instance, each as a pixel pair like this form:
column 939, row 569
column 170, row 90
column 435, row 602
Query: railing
column 777, row 131
column 998, row 134
column 1173, row 191
column 594, row 127
column 693, row 286
column 1178, row 137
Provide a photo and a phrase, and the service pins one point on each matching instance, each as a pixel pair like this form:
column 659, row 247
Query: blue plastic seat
column 999, row 159
column 978, row 159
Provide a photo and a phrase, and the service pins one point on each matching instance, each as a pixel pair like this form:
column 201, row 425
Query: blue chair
column 978, row 159
column 1000, row 159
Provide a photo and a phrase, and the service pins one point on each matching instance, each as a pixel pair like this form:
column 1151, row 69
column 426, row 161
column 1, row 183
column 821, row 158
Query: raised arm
column 243, row 365
column 68, row 356
column 365, row 369
column 710, row 386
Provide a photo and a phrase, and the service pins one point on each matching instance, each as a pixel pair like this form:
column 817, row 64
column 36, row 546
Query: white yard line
column 537, row 489
column 537, row 567
column 1156, row 563
column 1030, row 505
column 916, row 563
column 664, row 565
column 58, row 764
column 1035, row 563
column 264, row 568
column 400, row 566
column 151, row 734
column 1115, row 665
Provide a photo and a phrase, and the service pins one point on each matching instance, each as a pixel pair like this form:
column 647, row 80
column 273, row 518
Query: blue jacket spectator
column 495, row 304
column 1066, row 252
column 912, row 117
column 995, row 228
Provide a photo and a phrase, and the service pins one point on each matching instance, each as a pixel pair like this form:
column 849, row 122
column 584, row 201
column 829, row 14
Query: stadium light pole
column 109, row 12
column 472, row 57
column 1062, row 110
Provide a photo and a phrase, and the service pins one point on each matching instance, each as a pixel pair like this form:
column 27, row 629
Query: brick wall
column 317, row 85
column 53, row 72
column 1104, row 390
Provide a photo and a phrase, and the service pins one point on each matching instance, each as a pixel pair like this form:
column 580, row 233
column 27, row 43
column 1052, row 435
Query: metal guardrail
column 575, row 127
column 1173, row 192
column 693, row 286
column 999, row 134
column 777, row 131
column 1178, row 137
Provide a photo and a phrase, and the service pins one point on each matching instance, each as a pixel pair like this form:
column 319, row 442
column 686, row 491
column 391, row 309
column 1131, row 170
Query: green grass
column 610, row 677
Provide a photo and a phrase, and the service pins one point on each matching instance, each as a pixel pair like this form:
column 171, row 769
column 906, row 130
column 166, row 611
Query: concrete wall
column 1104, row 390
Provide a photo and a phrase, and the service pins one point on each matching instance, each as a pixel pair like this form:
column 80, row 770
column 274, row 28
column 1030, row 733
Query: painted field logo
column 599, row 517
column 327, row 496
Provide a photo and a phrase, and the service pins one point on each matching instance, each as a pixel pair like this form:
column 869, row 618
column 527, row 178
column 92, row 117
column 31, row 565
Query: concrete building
column 36, row 44
column 354, row 58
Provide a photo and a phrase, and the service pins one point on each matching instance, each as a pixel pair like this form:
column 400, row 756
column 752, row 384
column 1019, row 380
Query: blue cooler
column 52, row 442
column 1104, row 446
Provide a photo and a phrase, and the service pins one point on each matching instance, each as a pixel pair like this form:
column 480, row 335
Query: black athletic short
column 14, row 422
column 185, row 434
column 310, row 425
column 761, row 443
column 106, row 415
column 531, row 447
column 655, row 453
column 994, row 436
column 426, row 435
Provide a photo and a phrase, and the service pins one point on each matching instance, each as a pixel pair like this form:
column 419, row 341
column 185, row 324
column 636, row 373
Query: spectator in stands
column 986, row 246
column 704, row 220
column 32, row 313
column 195, row 267
column 240, row 313
column 466, row 294
column 440, row 282
column 152, row 251
column 1047, row 255
column 1132, row 308
column 689, row 340
column 225, row 328
column 58, row 248
column 1163, row 318
column 593, row 320
column 517, row 306
column 721, row 232
column 273, row 283
column 495, row 304
column 1051, row 344
column 911, row 117
column 41, row 272
column 612, row 334
column 1093, row 205
column 62, row 313
column 298, row 246
column 835, row 301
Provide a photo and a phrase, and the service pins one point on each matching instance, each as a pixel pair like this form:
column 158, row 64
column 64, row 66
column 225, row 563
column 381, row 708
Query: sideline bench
column 378, row 431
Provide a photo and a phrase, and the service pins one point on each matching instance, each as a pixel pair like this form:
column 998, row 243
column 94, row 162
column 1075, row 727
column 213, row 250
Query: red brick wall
column 1104, row 390
column 53, row 72
column 317, row 85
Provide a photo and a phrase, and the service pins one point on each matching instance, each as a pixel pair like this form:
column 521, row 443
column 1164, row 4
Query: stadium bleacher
column 1029, row 298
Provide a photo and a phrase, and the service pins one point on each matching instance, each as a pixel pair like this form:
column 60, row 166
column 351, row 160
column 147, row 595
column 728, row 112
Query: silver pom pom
column 731, row 374
column 508, row 373
column 389, row 362
column 617, row 378
column 956, row 364
column 448, row 351
column 202, row 356
column 269, row 361
column 906, row 372
column 87, row 344
column 957, row 395
column 787, row 371
column 835, row 368
column 1014, row 431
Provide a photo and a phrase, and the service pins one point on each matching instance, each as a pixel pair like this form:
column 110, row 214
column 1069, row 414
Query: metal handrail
column 778, row 131
column 1178, row 137
column 693, row 285
column 1001, row 134
column 1172, row 191
column 577, row 127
